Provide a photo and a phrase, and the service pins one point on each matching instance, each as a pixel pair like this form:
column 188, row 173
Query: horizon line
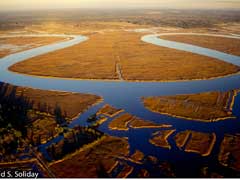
column 120, row 8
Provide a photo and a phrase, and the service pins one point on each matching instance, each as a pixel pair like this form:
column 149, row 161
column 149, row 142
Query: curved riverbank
column 125, row 80
column 227, row 45
column 156, row 40
column 100, row 59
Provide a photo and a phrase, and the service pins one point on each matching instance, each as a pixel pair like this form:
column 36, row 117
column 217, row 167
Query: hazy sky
column 51, row 4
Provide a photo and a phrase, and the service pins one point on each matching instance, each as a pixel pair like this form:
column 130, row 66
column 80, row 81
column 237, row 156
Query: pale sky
column 52, row 4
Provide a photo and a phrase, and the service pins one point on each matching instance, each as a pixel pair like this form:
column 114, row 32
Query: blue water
column 127, row 95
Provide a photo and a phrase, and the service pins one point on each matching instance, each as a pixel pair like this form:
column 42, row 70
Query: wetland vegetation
column 72, row 134
column 126, row 121
column 217, row 43
column 158, row 62
column 205, row 107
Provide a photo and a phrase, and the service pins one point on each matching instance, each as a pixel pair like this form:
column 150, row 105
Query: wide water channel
column 127, row 95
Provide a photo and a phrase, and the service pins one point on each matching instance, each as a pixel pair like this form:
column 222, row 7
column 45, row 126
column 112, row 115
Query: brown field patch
column 110, row 111
column 126, row 121
column 71, row 104
column 181, row 138
column 121, row 122
column 160, row 138
column 196, row 142
column 92, row 59
column 138, row 123
column 206, row 107
column 201, row 143
column 99, row 57
column 227, row 45
column 85, row 162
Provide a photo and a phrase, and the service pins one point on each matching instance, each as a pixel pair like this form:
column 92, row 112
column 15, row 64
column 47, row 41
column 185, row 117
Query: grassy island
column 201, row 143
column 160, row 138
column 205, row 107
column 121, row 122
column 138, row 123
column 137, row 156
column 126, row 121
column 124, row 52
column 196, row 142
column 110, row 111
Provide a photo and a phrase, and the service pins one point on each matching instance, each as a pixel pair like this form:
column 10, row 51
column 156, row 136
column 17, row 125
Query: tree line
column 15, row 120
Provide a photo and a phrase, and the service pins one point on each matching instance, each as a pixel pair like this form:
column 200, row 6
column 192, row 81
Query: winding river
column 127, row 95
